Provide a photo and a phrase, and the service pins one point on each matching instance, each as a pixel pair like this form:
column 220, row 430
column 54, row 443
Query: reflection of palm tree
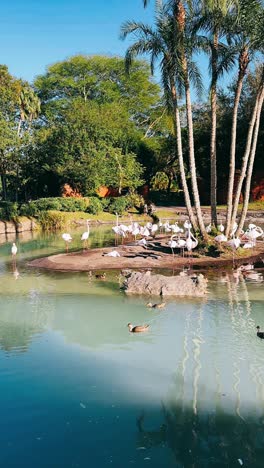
column 151, row 438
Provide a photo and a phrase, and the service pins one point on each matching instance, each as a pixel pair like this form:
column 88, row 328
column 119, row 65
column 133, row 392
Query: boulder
column 10, row 227
column 2, row 228
column 159, row 285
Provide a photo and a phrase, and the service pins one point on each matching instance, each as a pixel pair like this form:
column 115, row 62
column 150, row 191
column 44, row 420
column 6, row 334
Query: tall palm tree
column 246, row 41
column 249, row 152
column 188, row 68
column 213, row 19
column 251, row 164
column 159, row 44
column 183, row 49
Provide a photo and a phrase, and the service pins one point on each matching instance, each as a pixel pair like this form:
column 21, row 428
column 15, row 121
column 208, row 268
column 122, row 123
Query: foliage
column 52, row 220
column 8, row 210
column 118, row 205
column 160, row 181
column 95, row 205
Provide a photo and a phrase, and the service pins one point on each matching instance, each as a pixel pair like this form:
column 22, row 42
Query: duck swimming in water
column 156, row 306
column 260, row 334
column 138, row 328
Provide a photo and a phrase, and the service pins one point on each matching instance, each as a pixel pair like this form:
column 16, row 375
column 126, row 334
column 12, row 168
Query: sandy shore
column 157, row 257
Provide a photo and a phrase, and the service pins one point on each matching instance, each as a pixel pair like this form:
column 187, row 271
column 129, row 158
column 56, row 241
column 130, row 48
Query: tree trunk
column 3, row 181
column 250, row 168
column 192, row 157
column 19, row 127
column 247, row 152
column 177, row 128
column 243, row 64
column 213, row 131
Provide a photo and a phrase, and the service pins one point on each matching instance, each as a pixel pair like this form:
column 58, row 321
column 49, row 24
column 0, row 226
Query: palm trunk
column 247, row 151
column 177, row 128
column 192, row 158
column 213, row 131
column 250, row 167
column 243, row 64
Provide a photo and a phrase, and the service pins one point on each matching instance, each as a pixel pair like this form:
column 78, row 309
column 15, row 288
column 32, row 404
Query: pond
column 78, row 390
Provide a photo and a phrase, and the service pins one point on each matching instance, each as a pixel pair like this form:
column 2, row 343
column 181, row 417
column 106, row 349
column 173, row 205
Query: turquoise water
column 77, row 390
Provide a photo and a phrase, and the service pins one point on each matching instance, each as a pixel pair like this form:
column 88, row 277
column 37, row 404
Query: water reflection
column 190, row 393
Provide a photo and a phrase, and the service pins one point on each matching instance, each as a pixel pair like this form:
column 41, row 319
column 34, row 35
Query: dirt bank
column 138, row 258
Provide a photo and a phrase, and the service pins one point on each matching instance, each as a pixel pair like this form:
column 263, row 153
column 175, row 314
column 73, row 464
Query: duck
column 137, row 328
column 101, row 276
column 260, row 334
column 156, row 306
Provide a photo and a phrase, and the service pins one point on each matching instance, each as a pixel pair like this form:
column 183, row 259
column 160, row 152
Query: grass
column 59, row 219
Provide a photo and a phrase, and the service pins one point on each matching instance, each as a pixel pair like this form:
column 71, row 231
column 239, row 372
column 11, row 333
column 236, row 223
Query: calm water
column 77, row 390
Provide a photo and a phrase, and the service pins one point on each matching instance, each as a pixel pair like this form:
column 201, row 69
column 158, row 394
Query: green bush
column 8, row 210
column 135, row 200
column 29, row 209
column 74, row 204
column 52, row 220
column 95, row 206
column 118, row 205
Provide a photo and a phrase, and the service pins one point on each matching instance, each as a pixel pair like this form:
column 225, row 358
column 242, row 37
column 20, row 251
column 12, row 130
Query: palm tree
column 183, row 49
column 213, row 19
column 251, row 165
column 246, row 32
column 188, row 68
column 249, row 155
column 160, row 45
column 29, row 105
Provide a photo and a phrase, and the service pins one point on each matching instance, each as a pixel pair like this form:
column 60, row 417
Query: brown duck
column 138, row 328
column 157, row 306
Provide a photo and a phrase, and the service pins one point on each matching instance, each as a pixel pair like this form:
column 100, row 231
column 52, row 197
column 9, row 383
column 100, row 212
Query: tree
column 160, row 44
column 214, row 18
column 100, row 79
column 249, row 153
column 246, row 37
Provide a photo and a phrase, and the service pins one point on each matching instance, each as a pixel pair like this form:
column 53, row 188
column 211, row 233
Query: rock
column 2, row 228
column 159, row 285
column 10, row 227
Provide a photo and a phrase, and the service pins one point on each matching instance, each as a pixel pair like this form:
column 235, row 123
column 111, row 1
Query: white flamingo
column 154, row 229
column 191, row 242
column 14, row 250
column 208, row 228
column 135, row 231
column 67, row 239
column 85, row 235
column 176, row 228
column 220, row 238
column 187, row 225
column 113, row 254
column 253, row 232
column 221, row 227
column 177, row 244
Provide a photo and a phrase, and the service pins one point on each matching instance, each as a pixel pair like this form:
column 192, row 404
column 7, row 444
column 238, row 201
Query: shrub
column 29, row 209
column 95, row 206
column 50, row 220
column 118, row 205
column 74, row 204
column 135, row 200
column 8, row 210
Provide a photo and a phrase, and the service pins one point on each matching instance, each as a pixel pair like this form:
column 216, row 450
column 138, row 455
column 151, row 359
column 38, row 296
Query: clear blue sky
column 34, row 33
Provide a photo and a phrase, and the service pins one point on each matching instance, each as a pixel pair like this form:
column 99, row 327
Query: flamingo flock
column 248, row 238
